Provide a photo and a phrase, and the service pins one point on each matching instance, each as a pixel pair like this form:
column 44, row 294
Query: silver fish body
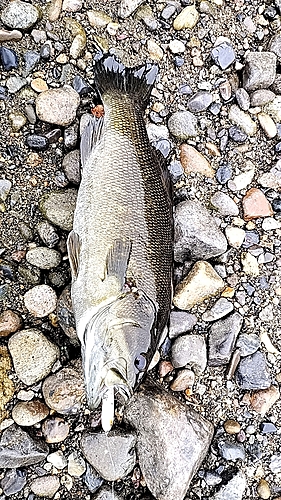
column 120, row 248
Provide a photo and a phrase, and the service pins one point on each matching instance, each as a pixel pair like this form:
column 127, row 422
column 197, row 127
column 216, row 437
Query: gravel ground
column 238, row 152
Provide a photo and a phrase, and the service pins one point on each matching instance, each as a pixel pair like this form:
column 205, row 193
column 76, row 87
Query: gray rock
column 71, row 166
column 196, row 234
column 92, row 480
column 172, row 440
column 65, row 314
column 243, row 99
column 127, row 7
column 112, row 454
column 15, row 83
column 20, row 15
column 48, row 234
column 231, row 451
column 223, row 55
column 183, row 125
column 237, row 135
column 18, row 449
column 199, row 102
column 58, row 106
column 33, row 355
column 275, row 464
column 58, row 207
column 13, row 481
column 253, row 373
column 64, row 391
column 190, row 350
column 45, row 486
column 224, row 204
column 31, row 59
column 55, row 430
column 181, row 322
column 262, row 97
column 220, row 309
column 107, row 493
column 259, row 71
column 43, row 257
column 248, row 343
column 222, row 338
column 275, row 46
column 71, row 135
column 234, row 489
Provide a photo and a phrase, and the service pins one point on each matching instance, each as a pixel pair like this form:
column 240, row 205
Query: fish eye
column 140, row 362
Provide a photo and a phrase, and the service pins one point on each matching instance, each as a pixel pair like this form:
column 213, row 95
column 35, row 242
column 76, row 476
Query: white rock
column 243, row 120
column 224, row 204
column 40, row 300
column 235, row 236
column 268, row 125
column 250, row 264
column 57, row 459
column 187, row 18
column 274, row 108
column 241, row 181
column 176, row 47
column 127, row 7
column 58, row 106
column 72, row 5
column 269, row 224
column 76, row 465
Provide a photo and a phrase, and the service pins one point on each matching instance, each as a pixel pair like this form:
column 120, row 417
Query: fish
column 121, row 246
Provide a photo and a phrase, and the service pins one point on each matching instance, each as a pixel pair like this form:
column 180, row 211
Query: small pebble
column 263, row 489
column 45, row 486
column 40, row 300
column 8, row 58
column 232, row 427
column 10, row 322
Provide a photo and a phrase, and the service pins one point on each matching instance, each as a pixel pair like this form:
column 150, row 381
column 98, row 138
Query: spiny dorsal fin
column 117, row 260
column 73, row 248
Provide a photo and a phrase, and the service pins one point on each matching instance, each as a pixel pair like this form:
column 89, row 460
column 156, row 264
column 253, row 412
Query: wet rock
column 10, row 322
column 234, row 489
column 71, row 166
column 183, row 125
column 220, row 309
column 30, row 412
column 13, row 481
column 190, row 350
column 7, row 387
column 18, row 449
column 121, row 459
column 64, row 391
column 15, row 83
column 65, row 314
column 253, row 373
column 184, row 380
column 7, row 36
column 45, row 486
column 48, row 234
column 232, row 427
column 76, row 465
column 193, row 161
column 248, row 343
column 262, row 401
column 259, row 71
column 127, row 7
column 40, row 300
column 92, row 480
column 224, row 204
column 187, row 18
column 164, row 423
column 201, row 283
column 243, row 120
column 181, row 322
column 235, row 236
column 243, row 99
column 33, row 355
column 8, row 58
column 255, row 205
column 196, row 233
column 58, row 106
column 262, row 97
column 58, row 207
column 222, row 338
column 223, row 55
column 231, row 451
column 55, row 430
column 20, row 15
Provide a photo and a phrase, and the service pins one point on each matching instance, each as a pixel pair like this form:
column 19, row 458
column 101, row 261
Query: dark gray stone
column 224, row 174
column 9, row 58
column 81, row 86
column 259, row 71
column 71, row 135
column 48, row 234
column 220, row 309
column 181, row 322
column 253, row 373
column 197, row 236
column 71, row 166
column 243, row 99
column 13, row 481
column 37, row 142
column 236, row 134
column 172, row 441
column 18, row 449
column 111, row 454
column 223, row 55
column 222, row 338
column 65, row 314
column 231, row 451
column 31, row 58
column 248, row 343
column 92, row 480
column 199, row 102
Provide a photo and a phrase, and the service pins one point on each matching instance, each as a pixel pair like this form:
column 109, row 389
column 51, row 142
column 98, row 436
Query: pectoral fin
column 73, row 248
column 117, row 260
column 90, row 136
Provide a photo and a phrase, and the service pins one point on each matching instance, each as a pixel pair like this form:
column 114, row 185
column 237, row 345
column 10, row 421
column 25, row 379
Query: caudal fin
column 112, row 76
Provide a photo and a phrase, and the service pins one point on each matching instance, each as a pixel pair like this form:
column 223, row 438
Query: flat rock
column 58, row 207
column 197, row 236
column 241, row 181
column 7, row 36
column 10, row 322
column 33, row 355
column 223, row 54
column 43, row 257
column 183, row 125
column 259, row 71
column 13, row 481
column 76, row 465
column 18, row 449
column 164, row 423
column 234, row 489
column 220, row 309
column 40, row 300
column 64, row 391
column 248, row 343
column 201, row 283
column 20, row 15
column 256, row 205
column 231, row 451
column 98, row 18
column 58, row 106
column 222, row 338
column 45, row 486
column 190, row 350
column 27, row 413
column 253, row 373
column 200, row 102
column 111, row 454
column 193, row 161
column 181, row 322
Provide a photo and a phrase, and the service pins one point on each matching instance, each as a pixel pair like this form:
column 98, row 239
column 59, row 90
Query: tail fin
column 112, row 75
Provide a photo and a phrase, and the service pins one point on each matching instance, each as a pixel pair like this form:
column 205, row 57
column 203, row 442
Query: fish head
column 118, row 344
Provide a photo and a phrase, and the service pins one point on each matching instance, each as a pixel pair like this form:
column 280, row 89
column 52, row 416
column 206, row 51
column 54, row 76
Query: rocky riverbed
column 207, row 422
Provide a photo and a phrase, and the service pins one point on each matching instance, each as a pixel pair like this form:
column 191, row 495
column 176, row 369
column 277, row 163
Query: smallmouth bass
column 120, row 249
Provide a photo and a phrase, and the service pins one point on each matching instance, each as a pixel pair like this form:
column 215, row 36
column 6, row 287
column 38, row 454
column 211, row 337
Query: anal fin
column 117, row 260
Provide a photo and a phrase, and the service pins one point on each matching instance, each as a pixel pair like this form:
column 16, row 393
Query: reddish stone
column 165, row 367
column 256, row 205
column 10, row 322
column 193, row 161
column 263, row 400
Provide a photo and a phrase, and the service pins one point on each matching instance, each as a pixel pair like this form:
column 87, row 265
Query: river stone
column 111, row 454
column 58, row 207
column 259, row 71
column 7, row 387
column 64, row 391
column 253, row 373
column 248, row 343
column 20, row 15
column 181, row 322
column 13, row 481
column 45, row 486
column 92, row 480
column 231, row 451
column 190, row 350
column 220, row 309
column 262, row 97
column 224, row 204
column 243, row 120
column 27, row 413
column 33, row 355
column 172, row 440
column 15, row 83
column 197, row 236
column 65, row 314
column 201, row 283
column 71, row 166
column 187, row 18
column 55, row 430
column 57, row 459
column 222, row 338
column 40, row 300
column 43, row 257
column 13, row 35
column 58, row 106
column 199, row 102
column 18, row 449
column 10, row 322
column 48, row 234
column 234, row 489
column 183, row 125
